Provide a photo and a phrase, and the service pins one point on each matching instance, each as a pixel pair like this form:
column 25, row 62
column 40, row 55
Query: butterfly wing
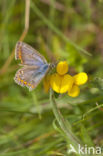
column 30, row 76
column 28, row 55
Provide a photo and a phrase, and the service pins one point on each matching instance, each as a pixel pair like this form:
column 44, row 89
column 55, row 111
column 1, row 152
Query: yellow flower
column 74, row 91
column 62, row 68
column 80, row 79
column 61, row 84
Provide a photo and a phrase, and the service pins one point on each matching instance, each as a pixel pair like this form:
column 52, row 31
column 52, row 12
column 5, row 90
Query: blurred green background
column 60, row 30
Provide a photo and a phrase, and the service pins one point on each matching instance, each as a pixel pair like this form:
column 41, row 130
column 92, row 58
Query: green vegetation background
column 58, row 29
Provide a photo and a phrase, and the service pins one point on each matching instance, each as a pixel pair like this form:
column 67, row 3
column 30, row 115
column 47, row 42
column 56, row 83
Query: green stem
column 63, row 124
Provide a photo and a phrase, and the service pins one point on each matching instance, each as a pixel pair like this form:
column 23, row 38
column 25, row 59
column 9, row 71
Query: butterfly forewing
column 28, row 55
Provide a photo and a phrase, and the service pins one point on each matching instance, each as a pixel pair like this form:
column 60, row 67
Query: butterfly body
column 35, row 66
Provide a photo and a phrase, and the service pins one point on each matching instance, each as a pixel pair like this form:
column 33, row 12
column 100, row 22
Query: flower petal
column 74, row 91
column 62, row 67
column 55, row 82
column 66, row 83
column 61, row 84
column 80, row 78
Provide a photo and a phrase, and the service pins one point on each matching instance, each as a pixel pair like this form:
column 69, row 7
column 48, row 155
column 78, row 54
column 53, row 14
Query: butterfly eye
column 52, row 65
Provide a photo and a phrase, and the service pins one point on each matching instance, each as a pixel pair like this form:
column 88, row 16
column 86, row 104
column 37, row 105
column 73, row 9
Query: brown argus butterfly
column 35, row 66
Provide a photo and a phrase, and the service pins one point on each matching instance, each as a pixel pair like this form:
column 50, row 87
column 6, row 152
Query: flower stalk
column 72, row 139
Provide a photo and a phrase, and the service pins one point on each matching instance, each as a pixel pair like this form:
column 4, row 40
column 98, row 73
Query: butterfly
column 35, row 66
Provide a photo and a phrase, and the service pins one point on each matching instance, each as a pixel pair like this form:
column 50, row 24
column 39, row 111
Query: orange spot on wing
column 20, row 57
column 22, row 81
column 29, row 84
column 19, row 54
column 25, row 82
column 32, row 86
column 18, row 79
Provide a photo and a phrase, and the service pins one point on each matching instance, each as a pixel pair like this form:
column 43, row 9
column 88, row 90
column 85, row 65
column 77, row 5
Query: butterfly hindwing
column 30, row 76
